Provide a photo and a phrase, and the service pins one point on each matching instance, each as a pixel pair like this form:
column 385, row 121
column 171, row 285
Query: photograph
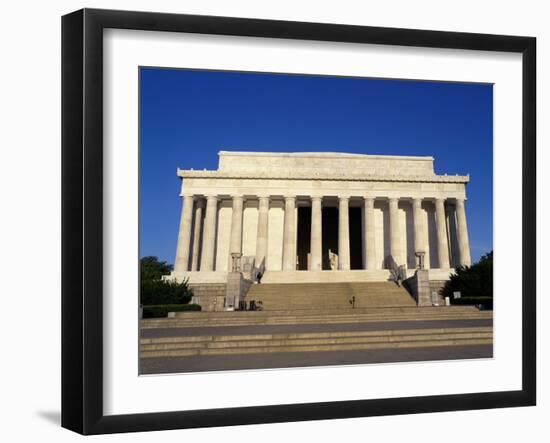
column 266, row 222
column 298, row 220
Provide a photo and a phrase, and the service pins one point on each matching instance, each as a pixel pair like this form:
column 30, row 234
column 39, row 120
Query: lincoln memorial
column 314, row 217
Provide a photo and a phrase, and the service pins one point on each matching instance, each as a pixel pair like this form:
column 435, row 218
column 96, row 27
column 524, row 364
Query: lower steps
column 185, row 346
column 244, row 318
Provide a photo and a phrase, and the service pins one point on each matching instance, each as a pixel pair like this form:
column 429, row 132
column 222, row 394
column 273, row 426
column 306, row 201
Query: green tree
column 156, row 291
column 153, row 269
column 472, row 281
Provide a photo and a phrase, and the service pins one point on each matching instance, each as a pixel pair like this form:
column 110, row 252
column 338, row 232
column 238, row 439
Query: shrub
column 161, row 311
column 162, row 292
column 472, row 281
column 156, row 291
column 487, row 302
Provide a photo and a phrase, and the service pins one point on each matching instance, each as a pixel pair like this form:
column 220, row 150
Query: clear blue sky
column 187, row 116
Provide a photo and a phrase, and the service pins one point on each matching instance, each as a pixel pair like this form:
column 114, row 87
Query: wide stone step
column 320, row 348
column 316, row 296
column 282, row 320
column 245, row 338
column 313, row 342
column 331, row 311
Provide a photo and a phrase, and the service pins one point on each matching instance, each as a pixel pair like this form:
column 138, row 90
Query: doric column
column 462, row 234
column 199, row 206
column 184, row 235
column 419, row 239
column 316, row 234
column 263, row 226
column 369, row 239
column 343, row 233
column 209, row 234
column 441, row 227
column 235, row 240
column 289, row 235
column 394, row 231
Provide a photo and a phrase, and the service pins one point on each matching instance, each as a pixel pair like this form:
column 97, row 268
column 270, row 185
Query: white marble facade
column 379, row 209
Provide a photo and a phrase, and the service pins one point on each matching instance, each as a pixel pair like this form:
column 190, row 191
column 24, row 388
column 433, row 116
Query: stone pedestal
column 233, row 290
column 422, row 292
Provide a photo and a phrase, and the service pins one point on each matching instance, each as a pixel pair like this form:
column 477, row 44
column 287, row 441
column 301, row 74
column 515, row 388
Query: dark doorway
column 330, row 234
column 355, row 239
column 303, row 241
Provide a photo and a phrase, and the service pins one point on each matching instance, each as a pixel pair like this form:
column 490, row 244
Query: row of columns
column 289, row 232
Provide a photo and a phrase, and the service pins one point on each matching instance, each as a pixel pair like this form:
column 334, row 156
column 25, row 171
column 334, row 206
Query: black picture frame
column 82, row 218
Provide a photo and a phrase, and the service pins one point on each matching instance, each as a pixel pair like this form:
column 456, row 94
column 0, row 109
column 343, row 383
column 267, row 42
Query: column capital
column 290, row 198
column 343, row 198
column 460, row 201
column 369, row 201
column 212, row 197
column 264, row 200
column 187, row 196
column 316, row 198
column 238, row 197
column 417, row 202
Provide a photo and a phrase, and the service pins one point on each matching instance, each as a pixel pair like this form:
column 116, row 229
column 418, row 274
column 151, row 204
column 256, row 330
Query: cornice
column 297, row 175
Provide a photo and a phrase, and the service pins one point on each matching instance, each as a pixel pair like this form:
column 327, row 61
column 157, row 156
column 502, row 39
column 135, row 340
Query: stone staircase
column 315, row 316
column 207, row 345
column 311, row 296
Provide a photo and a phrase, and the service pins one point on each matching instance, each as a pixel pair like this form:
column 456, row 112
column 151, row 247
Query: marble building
column 321, row 217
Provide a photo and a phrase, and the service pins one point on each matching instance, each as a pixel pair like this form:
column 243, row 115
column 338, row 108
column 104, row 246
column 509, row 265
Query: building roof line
column 323, row 155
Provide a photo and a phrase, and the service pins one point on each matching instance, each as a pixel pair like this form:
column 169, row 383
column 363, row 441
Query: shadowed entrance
column 355, row 238
column 303, row 240
column 330, row 234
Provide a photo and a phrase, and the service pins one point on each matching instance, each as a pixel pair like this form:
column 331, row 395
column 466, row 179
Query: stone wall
column 323, row 161
column 210, row 296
